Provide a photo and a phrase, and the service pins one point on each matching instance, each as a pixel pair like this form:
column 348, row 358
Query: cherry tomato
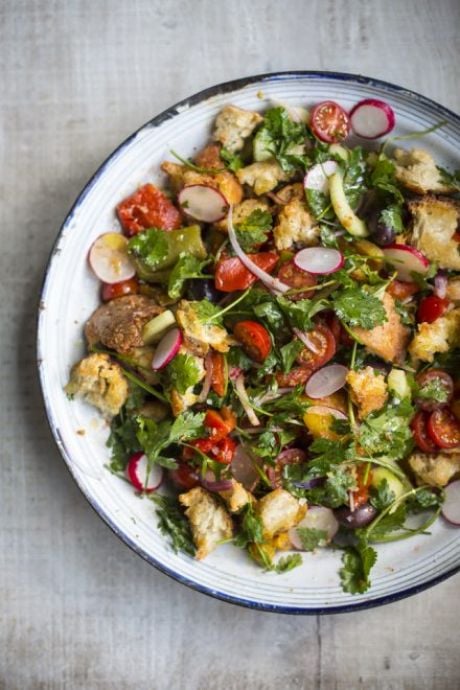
column 431, row 308
column 297, row 376
column 290, row 456
column 445, row 381
column 124, row 287
column 220, row 424
column 420, row 432
column 148, row 207
column 219, row 374
column 444, row 428
column 329, row 122
column 296, row 279
column 334, row 325
column 324, row 347
column 363, row 480
column 224, row 450
column 231, row 274
column 255, row 339
column 184, row 476
column 401, row 291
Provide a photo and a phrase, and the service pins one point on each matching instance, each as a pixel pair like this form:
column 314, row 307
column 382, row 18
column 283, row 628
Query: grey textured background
column 78, row 610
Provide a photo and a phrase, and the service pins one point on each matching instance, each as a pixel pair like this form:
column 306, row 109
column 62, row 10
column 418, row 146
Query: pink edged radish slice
column 316, row 178
column 167, row 349
column 319, row 260
column 451, row 505
column 203, row 203
column 140, row 476
column 324, row 411
column 372, row 118
column 326, row 381
column 406, row 260
column 317, row 518
column 109, row 258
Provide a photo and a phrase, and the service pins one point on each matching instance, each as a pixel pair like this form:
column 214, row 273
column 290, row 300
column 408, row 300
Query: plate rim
column 157, row 120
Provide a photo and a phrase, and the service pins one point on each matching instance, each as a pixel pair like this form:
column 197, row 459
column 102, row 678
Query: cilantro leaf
column 174, row 524
column 433, row 390
column 182, row 372
column 383, row 178
column 393, row 520
column 450, row 178
column 253, row 230
column 388, row 433
column 207, row 312
column 300, row 314
column 232, row 160
column 353, row 179
column 392, row 217
column 358, row 307
column 287, row 563
column 319, row 204
column 289, row 353
column 155, row 437
column 312, row 538
column 151, row 246
column 251, row 528
column 357, row 563
column 187, row 266
column 282, row 138
column 382, row 496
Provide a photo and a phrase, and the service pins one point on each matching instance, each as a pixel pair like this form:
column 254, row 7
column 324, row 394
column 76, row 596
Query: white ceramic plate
column 70, row 294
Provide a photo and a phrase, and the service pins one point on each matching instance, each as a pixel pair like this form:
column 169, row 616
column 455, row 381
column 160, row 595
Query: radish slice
column 203, row 203
column 406, row 260
column 323, row 410
column 326, row 381
column 140, row 476
column 272, row 283
column 109, row 258
column 372, row 118
column 167, row 348
column 451, row 506
column 317, row 517
column 316, row 178
column 319, row 260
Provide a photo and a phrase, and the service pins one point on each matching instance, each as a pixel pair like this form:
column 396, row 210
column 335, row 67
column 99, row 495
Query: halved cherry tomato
column 124, row 287
column 329, row 122
column 148, row 207
column 333, row 323
column 420, row 432
column 431, row 308
column 363, row 480
column 400, row 290
column 297, row 279
column 297, row 376
column 444, row 428
column 224, row 450
column 184, row 476
column 254, row 338
column 219, row 374
column 220, row 424
column 231, row 274
column 445, row 381
column 324, row 347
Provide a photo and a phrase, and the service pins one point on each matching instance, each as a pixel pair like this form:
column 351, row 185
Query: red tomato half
column 444, row 428
column 224, row 451
column 297, row 279
column 329, row 122
column 431, row 308
column 324, row 347
column 124, row 287
column 254, row 338
column 420, row 432
column 297, row 376
column 400, row 290
column 444, row 380
column 231, row 274
column 149, row 207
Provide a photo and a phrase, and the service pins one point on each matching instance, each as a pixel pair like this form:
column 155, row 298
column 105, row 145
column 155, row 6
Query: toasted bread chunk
column 205, row 334
column 100, row 382
column 389, row 340
column 237, row 497
column 368, row 390
column 180, row 176
column 233, row 125
column 263, row 176
column 209, row 521
column 435, row 469
column 417, row 171
column 242, row 211
column 434, row 223
column 453, row 289
column 435, row 337
column 279, row 511
column 295, row 225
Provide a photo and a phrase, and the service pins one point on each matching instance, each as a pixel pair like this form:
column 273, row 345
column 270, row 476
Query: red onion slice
column 319, row 260
column 242, row 394
column 440, row 284
column 207, row 379
column 317, row 517
column 326, row 381
column 268, row 280
column 210, row 483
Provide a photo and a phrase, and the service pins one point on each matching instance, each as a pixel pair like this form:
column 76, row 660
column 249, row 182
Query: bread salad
column 278, row 337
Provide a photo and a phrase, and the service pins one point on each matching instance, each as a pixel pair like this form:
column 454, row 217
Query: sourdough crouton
column 180, row 176
column 242, row 211
column 435, row 337
column 434, row 223
column 368, row 390
column 209, row 157
column 417, row 171
column 263, row 176
column 389, row 340
column 290, row 192
column 453, row 289
column 295, row 225
column 279, row 511
column 233, row 125
column 205, row 334
column 209, row 521
column 237, row 497
column 180, row 402
column 435, row 469
column 100, row 382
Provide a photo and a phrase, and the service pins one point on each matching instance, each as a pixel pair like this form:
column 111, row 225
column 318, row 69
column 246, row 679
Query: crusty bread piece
column 416, row 170
column 233, row 125
column 368, row 390
column 389, row 340
column 279, row 511
column 237, row 497
column 180, row 176
column 435, row 469
column 295, row 224
column 436, row 337
column 263, row 176
column 206, row 334
column 435, row 221
column 100, row 382
column 209, row 521
column 242, row 211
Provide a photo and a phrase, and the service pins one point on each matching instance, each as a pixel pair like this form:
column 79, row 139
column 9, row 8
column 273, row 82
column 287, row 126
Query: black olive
column 198, row 288
column 360, row 517
column 381, row 233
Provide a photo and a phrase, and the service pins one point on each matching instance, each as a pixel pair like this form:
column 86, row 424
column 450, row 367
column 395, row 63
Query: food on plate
column 277, row 344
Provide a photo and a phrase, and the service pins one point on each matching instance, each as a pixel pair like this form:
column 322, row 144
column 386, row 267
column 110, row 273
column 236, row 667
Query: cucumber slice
column 155, row 328
column 260, row 146
column 347, row 217
column 398, row 384
column 395, row 484
column 340, row 151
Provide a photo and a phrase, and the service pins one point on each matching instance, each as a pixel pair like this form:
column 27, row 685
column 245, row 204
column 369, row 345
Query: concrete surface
column 78, row 610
